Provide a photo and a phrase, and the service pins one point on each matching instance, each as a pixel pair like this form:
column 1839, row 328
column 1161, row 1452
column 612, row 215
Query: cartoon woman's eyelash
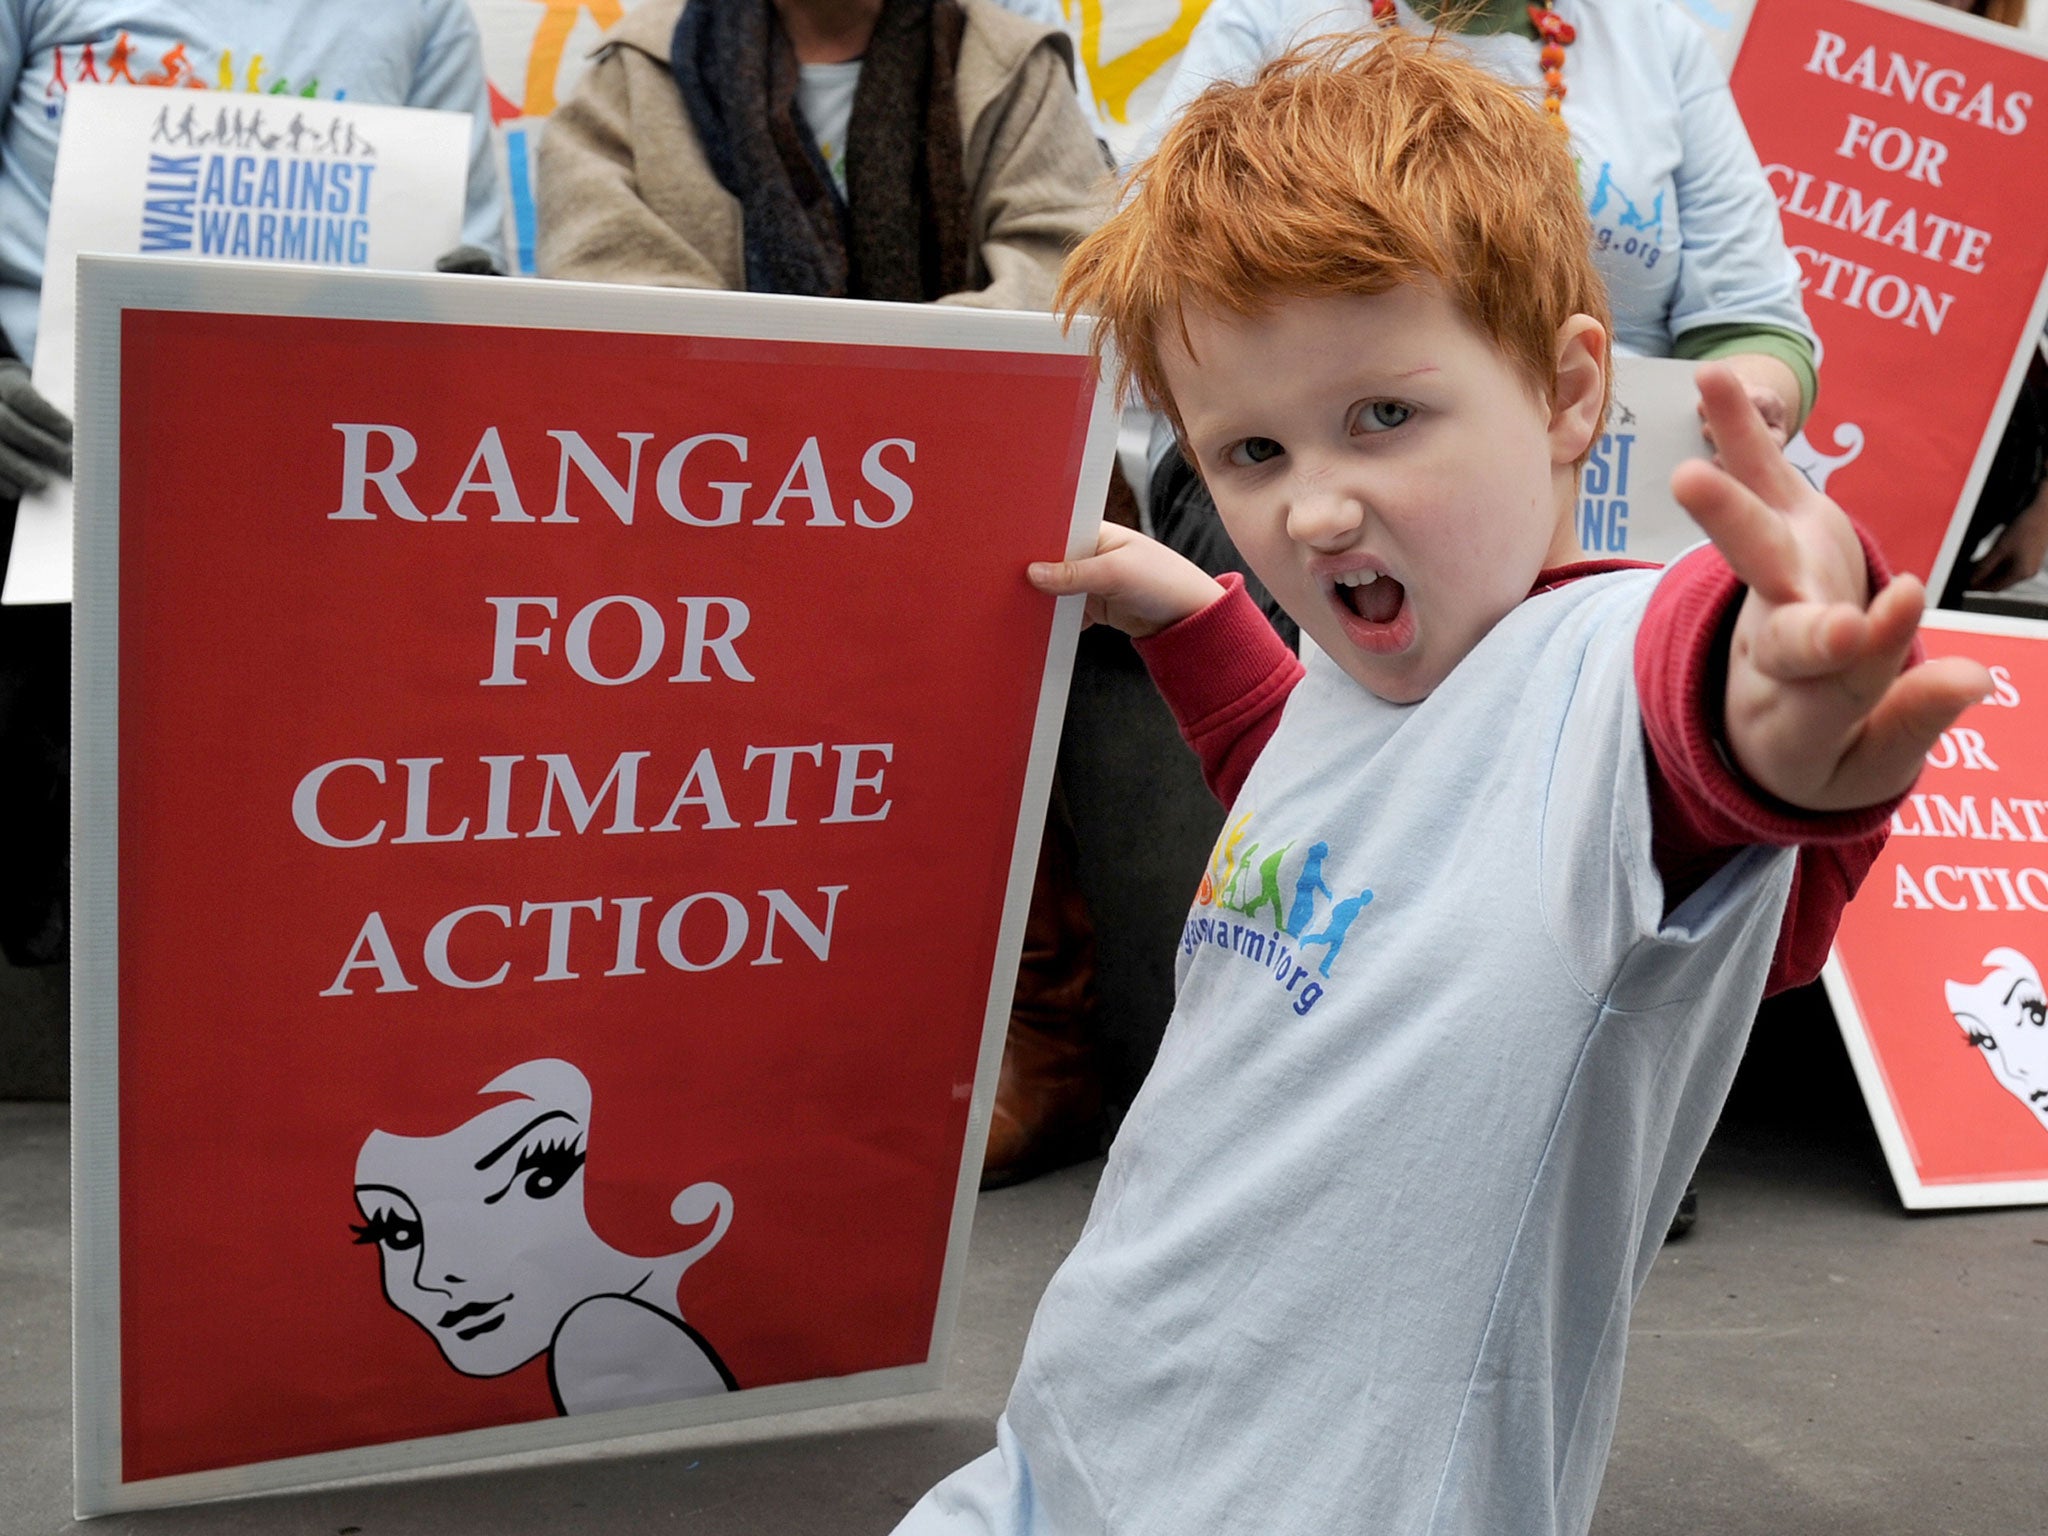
column 388, row 1229
column 541, row 1151
column 546, row 1167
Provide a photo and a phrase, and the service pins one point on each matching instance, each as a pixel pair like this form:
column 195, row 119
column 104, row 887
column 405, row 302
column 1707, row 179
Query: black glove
column 472, row 260
column 35, row 437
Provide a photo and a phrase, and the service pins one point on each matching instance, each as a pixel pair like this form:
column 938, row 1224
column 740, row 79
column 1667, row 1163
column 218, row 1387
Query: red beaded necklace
column 1552, row 30
column 1557, row 35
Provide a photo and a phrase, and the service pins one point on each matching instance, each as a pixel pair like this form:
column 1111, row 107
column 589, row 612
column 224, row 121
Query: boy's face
column 1388, row 474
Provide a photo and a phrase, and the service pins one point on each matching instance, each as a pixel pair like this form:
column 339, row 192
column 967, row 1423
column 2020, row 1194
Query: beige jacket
column 627, row 196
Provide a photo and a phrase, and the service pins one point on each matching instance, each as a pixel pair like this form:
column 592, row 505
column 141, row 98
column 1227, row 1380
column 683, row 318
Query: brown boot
column 1048, row 1109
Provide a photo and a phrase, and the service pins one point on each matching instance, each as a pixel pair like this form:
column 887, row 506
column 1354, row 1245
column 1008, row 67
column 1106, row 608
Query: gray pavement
column 1810, row 1362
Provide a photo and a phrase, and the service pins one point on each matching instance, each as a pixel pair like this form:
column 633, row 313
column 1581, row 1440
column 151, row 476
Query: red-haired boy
column 1507, row 866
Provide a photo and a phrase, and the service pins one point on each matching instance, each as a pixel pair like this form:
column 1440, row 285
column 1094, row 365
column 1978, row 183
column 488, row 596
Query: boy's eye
column 1254, row 450
column 1383, row 415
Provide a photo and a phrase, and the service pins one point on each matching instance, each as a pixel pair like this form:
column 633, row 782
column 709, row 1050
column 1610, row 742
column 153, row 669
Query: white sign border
column 109, row 286
column 1914, row 1194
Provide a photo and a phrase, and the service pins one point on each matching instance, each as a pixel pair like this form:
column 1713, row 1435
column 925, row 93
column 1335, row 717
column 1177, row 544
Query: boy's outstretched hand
column 1819, row 712
column 1133, row 583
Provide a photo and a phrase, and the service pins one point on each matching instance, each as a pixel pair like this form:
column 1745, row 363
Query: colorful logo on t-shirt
column 1622, row 225
column 1294, row 924
column 120, row 62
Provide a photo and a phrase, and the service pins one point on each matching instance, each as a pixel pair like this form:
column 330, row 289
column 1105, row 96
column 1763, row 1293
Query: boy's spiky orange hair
column 1348, row 166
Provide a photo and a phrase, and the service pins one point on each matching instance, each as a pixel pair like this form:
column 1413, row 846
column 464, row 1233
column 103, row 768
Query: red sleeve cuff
column 1221, row 666
column 1681, row 677
column 1225, row 675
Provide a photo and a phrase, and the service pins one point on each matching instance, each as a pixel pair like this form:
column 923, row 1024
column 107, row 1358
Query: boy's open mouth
column 1372, row 595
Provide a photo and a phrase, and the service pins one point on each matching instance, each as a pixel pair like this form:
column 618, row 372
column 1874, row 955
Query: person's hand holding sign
column 1822, row 710
column 2018, row 551
column 35, row 437
column 1772, row 387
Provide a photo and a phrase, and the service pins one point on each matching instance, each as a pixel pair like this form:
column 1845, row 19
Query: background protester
column 922, row 151
column 419, row 53
column 1686, row 229
column 2012, row 508
column 916, row 150
column 2007, row 13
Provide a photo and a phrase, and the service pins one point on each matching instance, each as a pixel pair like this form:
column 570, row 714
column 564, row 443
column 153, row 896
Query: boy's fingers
column 1806, row 640
column 1867, row 647
column 1890, row 625
column 1905, row 724
column 1063, row 578
column 1074, row 575
column 1742, row 438
column 1755, row 540
column 1861, row 654
column 1895, row 613
column 1132, row 582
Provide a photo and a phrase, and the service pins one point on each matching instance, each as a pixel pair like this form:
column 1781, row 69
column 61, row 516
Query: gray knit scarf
column 901, row 231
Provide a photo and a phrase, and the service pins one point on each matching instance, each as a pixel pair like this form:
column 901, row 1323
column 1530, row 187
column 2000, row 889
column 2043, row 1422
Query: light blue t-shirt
column 411, row 53
column 1363, row 1256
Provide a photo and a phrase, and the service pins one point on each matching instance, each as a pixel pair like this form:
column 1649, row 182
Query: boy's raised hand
column 1133, row 583
column 1820, row 710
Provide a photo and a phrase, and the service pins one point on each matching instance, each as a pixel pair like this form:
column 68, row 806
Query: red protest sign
column 1936, row 971
column 1895, row 137
column 577, row 762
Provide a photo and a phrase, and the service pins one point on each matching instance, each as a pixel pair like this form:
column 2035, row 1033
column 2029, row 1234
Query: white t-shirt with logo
column 1363, row 1255
column 824, row 92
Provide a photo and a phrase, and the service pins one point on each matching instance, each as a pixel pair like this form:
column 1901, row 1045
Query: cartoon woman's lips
column 456, row 1316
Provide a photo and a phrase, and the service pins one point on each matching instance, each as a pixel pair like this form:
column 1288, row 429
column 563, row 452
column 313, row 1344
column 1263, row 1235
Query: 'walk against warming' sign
column 254, row 181
column 331, row 184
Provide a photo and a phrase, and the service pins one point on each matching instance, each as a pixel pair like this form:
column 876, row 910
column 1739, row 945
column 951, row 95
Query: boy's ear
column 1578, row 395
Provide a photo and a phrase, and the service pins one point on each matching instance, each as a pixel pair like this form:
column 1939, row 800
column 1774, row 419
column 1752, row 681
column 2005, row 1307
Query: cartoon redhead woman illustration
column 485, row 1244
column 2006, row 1016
